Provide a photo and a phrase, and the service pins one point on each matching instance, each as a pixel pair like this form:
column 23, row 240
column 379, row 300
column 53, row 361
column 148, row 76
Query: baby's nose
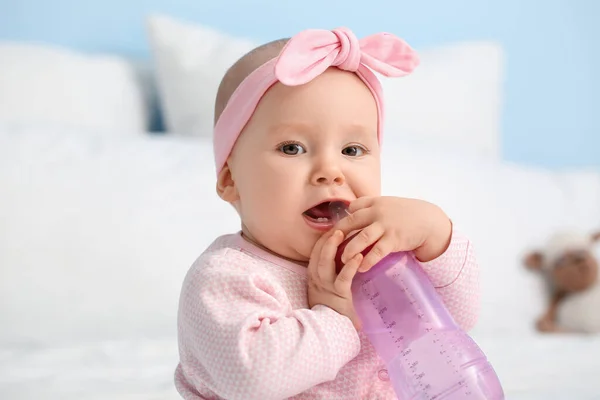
column 328, row 174
column 324, row 180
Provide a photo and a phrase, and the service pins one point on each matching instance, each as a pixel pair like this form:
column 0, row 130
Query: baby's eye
column 292, row 149
column 353, row 151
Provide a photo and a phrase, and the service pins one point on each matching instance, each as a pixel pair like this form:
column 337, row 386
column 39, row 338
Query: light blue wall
column 552, row 94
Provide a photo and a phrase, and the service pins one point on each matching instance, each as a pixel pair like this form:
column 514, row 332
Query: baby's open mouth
column 327, row 212
column 319, row 213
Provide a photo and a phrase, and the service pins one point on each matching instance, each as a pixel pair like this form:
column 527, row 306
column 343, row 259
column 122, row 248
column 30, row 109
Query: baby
column 263, row 313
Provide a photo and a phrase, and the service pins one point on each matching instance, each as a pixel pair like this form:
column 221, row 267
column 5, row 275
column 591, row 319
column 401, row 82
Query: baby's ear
column 226, row 188
column 534, row 260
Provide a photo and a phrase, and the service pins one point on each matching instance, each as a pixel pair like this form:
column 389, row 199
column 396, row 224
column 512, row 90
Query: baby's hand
column 395, row 224
column 325, row 286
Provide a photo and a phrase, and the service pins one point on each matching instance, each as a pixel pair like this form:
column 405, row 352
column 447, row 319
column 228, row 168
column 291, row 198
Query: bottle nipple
column 337, row 211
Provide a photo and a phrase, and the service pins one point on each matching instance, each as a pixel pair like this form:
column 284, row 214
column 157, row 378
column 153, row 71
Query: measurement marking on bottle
column 418, row 359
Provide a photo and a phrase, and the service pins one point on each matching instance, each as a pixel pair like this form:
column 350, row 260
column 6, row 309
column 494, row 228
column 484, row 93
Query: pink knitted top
column 245, row 330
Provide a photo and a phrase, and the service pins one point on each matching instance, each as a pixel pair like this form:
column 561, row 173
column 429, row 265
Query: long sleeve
column 240, row 338
column 455, row 275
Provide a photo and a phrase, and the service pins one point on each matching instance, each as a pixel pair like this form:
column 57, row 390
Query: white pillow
column 453, row 97
column 190, row 62
column 52, row 85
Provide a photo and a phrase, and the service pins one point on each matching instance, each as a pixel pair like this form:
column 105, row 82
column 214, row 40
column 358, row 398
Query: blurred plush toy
column 570, row 268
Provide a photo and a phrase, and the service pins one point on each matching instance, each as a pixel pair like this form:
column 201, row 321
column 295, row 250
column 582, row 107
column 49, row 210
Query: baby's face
column 305, row 146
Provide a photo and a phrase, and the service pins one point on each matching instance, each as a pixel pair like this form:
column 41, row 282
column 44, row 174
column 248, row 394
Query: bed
column 100, row 219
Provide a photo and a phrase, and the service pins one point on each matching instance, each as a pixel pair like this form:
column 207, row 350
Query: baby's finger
column 343, row 283
column 360, row 203
column 355, row 221
column 315, row 254
column 362, row 240
column 383, row 247
column 326, row 265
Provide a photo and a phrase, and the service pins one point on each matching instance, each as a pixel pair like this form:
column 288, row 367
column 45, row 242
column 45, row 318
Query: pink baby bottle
column 427, row 354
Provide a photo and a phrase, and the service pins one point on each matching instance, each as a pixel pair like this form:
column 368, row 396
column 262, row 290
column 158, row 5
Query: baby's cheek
column 370, row 187
column 365, row 179
column 308, row 245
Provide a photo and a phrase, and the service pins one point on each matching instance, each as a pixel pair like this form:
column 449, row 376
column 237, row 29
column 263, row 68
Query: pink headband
column 304, row 57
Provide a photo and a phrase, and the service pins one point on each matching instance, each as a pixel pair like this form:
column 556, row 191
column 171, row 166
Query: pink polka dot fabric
column 245, row 330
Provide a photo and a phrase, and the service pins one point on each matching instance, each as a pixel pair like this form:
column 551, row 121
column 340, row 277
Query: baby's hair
column 244, row 67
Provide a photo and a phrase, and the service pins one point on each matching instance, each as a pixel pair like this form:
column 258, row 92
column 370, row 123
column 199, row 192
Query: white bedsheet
column 533, row 367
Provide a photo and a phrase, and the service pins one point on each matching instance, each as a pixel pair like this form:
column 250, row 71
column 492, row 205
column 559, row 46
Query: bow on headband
column 304, row 57
column 311, row 52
